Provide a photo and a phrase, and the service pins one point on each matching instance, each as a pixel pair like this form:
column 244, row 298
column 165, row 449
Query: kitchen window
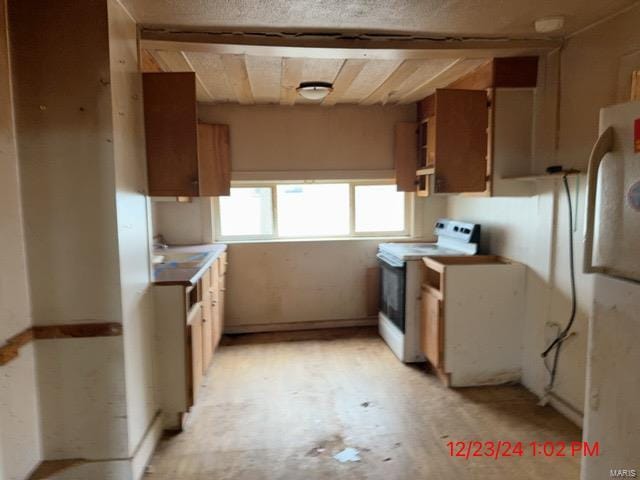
column 289, row 210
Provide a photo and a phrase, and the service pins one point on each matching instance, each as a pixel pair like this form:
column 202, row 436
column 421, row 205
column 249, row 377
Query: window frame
column 275, row 236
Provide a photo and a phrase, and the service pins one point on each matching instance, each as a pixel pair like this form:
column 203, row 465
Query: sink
column 179, row 259
column 183, row 264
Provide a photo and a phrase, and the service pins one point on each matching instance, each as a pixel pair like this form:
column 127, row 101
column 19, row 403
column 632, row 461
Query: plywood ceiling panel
column 291, row 77
column 393, row 83
column 210, row 71
column 349, row 71
column 249, row 80
column 426, row 71
column 172, row 61
column 265, row 74
column 374, row 73
column 235, row 69
column 444, row 77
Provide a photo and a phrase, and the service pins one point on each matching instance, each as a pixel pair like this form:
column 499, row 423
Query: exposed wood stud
column 393, row 82
column 348, row 73
column 235, row 68
column 291, row 77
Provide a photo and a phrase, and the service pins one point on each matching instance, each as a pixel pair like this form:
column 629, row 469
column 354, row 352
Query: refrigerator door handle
column 603, row 145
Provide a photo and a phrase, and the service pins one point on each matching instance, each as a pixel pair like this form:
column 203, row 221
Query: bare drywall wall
column 65, row 146
column 132, row 223
column 183, row 223
column 81, row 147
column 305, row 281
column 535, row 230
column 309, row 137
column 20, row 447
column 297, row 282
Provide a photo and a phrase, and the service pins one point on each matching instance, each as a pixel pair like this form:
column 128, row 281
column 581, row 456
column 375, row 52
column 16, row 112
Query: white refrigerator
column 612, row 254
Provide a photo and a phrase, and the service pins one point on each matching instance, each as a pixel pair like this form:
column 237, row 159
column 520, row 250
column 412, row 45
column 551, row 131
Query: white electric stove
column 399, row 317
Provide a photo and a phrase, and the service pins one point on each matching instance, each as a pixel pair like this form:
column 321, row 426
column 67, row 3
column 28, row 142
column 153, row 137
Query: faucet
column 159, row 242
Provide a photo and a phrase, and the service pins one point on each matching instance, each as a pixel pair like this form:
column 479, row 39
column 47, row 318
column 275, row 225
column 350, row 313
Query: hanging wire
column 564, row 334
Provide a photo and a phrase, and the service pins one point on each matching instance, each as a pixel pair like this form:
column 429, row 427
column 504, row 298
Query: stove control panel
column 460, row 231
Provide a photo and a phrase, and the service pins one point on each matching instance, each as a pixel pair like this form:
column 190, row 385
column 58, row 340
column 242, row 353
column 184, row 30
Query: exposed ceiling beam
column 176, row 61
column 291, row 77
column 348, row 73
column 235, row 68
column 396, row 47
column 392, row 82
column 451, row 72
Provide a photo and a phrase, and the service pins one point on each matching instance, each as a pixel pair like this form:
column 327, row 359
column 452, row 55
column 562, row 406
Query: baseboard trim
column 566, row 409
column 147, row 446
column 292, row 326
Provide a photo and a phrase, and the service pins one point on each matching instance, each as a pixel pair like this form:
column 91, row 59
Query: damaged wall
column 81, row 151
column 20, row 448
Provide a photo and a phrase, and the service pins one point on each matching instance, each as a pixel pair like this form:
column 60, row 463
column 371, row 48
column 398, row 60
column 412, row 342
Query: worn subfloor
column 279, row 406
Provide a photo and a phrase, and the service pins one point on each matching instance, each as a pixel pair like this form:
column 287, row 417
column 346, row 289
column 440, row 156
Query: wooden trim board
column 501, row 72
column 291, row 326
column 11, row 347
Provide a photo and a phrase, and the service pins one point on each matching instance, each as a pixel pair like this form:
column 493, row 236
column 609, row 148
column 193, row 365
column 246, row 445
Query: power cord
column 564, row 334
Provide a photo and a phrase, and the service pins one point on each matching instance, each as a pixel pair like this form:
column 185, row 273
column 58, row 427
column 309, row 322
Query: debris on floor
column 388, row 459
column 349, row 454
column 365, row 404
column 314, row 452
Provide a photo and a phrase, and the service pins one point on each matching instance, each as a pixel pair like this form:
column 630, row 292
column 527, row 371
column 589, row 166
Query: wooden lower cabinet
column 189, row 326
column 195, row 342
column 207, row 320
column 471, row 319
column 431, row 327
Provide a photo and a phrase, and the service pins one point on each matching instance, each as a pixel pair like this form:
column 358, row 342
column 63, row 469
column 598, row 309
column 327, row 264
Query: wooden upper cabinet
column 459, row 154
column 405, row 155
column 183, row 157
column 214, row 166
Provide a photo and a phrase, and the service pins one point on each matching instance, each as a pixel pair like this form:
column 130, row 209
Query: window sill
column 401, row 238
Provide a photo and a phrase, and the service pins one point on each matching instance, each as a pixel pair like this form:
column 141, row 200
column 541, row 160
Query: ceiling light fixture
column 314, row 90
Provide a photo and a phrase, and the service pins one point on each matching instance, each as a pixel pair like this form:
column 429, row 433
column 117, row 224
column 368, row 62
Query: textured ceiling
column 227, row 71
column 446, row 17
column 249, row 79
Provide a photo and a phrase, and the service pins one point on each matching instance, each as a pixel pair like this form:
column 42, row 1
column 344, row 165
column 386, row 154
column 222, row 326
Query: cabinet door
column 431, row 326
column 195, row 331
column 462, row 118
column 215, row 304
column 170, row 121
column 207, row 321
column 214, row 163
column 405, row 155
column 221, row 311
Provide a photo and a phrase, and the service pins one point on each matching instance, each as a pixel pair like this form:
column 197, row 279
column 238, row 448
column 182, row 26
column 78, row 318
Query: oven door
column 392, row 289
